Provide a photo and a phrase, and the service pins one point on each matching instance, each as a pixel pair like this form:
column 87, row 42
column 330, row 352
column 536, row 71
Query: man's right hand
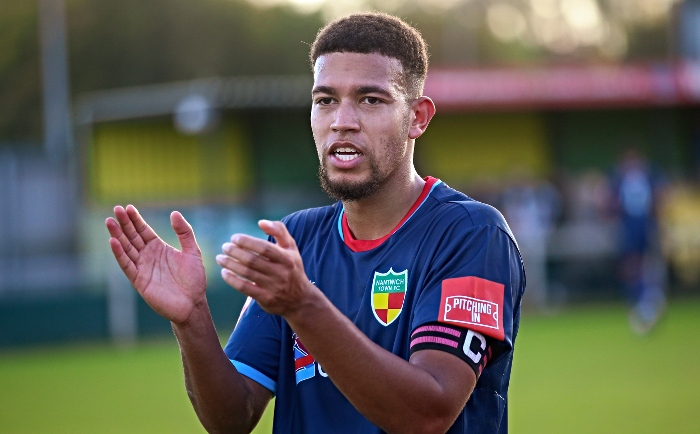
column 172, row 282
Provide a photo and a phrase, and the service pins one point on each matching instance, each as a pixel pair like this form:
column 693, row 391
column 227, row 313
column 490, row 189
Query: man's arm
column 425, row 394
column 224, row 400
column 173, row 283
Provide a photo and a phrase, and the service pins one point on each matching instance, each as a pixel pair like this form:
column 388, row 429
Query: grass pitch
column 580, row 371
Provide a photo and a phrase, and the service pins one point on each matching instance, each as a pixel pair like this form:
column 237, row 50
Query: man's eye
column 371, row 100
column 324, row 101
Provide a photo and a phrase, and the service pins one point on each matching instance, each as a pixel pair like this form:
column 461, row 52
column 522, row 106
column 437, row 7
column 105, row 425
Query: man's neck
column 373, row 217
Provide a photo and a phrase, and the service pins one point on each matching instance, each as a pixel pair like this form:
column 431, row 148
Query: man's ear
column 423, row 111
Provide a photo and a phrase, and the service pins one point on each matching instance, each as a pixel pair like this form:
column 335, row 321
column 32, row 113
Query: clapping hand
column 171, row 281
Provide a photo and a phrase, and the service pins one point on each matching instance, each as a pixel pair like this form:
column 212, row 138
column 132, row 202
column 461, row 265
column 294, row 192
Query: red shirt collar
column 364, row 245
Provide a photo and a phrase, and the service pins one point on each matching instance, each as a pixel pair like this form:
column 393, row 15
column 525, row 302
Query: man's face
column 360, row 120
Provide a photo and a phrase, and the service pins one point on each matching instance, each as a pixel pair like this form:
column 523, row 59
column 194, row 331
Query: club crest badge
column 388, row 292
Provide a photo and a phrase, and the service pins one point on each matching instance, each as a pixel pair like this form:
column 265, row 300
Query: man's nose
column 346, row 118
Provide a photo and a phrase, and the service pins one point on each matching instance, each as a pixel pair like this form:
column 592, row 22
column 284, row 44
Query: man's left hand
column 273, row 274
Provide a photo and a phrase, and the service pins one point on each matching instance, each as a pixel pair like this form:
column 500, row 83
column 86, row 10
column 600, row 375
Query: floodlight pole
column 58, row 135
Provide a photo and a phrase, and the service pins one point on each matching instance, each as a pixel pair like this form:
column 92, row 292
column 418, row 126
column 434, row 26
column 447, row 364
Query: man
column 394, row 310
column 638, row 191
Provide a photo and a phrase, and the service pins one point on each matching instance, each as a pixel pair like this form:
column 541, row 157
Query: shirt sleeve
column 475, row 280
column 254, row 345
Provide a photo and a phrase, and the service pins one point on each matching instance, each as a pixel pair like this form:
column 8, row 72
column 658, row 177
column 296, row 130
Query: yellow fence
column 151, row 161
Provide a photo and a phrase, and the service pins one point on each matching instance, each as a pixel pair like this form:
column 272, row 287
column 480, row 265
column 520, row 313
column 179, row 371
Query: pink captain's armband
column 468, row 345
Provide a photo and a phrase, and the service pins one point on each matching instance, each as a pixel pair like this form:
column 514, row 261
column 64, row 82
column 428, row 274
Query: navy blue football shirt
column 448, row 276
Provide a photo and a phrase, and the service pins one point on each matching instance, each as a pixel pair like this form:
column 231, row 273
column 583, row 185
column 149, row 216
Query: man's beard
column 346, row 191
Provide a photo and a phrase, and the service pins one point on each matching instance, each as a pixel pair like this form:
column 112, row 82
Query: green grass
column 580, row 371
column 94, row 390
column 585, row 372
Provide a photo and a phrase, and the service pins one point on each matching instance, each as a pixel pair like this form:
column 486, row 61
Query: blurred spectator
column 531, row 207
column 590, row 197
column 638, row 189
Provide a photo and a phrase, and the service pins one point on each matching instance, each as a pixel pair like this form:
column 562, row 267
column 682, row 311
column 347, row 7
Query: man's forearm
column 391, row 392
column 220, row 396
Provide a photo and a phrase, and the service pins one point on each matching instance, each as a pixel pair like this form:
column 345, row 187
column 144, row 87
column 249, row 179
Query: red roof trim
column 595, row 86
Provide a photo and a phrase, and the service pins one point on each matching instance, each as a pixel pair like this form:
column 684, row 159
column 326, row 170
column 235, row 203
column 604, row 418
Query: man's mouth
column 346, row 154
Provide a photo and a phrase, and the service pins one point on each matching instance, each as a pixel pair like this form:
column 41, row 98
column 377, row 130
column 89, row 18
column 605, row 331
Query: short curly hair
column 369, row 33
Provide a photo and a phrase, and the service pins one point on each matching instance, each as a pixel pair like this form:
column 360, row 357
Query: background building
column 204, row 108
